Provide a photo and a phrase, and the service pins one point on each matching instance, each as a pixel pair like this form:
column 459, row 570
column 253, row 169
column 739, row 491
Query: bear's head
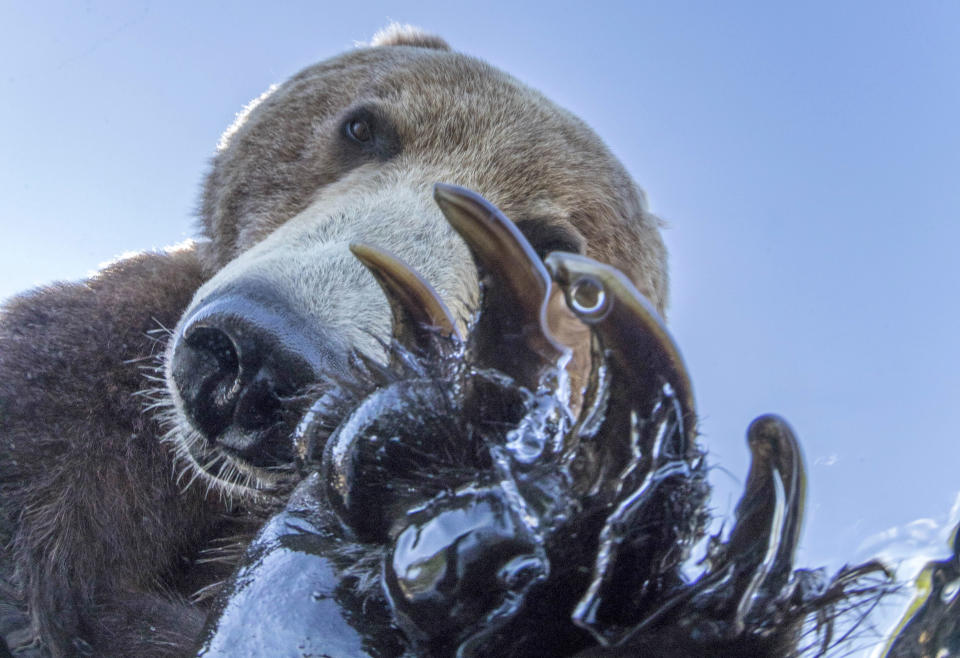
column 348, row 151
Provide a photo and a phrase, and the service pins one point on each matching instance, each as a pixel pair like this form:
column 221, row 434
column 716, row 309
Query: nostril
column 207, row 373
column 237, row 364
column 217, row 344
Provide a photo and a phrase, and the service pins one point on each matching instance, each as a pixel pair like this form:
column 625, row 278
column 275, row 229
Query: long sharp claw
column 514, row 269
column 643, row 450
column 769, row 516
column 626, row 323
column 418, row 312
column 753, row 568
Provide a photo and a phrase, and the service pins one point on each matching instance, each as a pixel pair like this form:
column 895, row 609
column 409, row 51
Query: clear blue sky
column 805, row 155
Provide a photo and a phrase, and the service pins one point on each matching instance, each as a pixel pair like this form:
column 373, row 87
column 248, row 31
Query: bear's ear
column 398, row 34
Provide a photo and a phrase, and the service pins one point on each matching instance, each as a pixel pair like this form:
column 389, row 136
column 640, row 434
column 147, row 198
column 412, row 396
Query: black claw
column 782, row 480
column 759, row 554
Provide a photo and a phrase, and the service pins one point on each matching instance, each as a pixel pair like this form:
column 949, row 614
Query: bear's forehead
column 390, row 66
column 423, row 82
column 443, row 105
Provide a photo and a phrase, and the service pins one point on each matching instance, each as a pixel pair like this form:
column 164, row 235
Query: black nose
column 236, row 361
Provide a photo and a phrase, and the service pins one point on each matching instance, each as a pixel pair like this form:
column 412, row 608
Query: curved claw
column 769, row 516
column 418, row 311
column 627, row 325
column 519, row 281
column 643, row 465
column 752, row 569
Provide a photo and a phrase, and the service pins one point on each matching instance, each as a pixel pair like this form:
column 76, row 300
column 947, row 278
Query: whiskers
column 197, row 463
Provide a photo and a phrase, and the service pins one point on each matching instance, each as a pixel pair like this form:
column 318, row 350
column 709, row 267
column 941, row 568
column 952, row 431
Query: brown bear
column 142, row 410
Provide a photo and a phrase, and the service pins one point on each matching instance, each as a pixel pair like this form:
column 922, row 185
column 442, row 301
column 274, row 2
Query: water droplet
column 587, row 297
column 949, row 591
column 525, row 444
column 522, row 571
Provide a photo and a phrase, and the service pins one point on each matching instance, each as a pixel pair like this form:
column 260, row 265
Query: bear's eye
column 359, row 131
column 545, row 236
column 367, row 132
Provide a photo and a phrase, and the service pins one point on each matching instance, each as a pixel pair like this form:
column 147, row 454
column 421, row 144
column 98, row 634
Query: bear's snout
column 235, row 362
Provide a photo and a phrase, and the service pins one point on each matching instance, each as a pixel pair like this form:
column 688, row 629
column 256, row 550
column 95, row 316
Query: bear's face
column 345, row 152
